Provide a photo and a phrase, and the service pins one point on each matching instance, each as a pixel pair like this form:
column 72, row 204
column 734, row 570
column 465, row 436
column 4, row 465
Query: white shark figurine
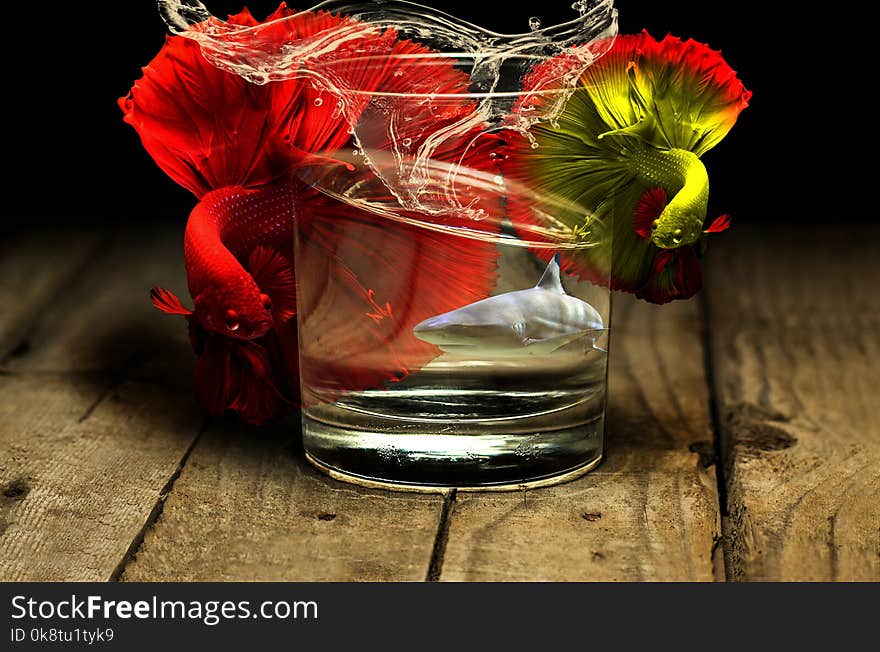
column 538, row 321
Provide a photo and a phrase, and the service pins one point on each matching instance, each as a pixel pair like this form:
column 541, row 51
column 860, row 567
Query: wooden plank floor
column 109, row 471
column 649, row 512
column 795, row 345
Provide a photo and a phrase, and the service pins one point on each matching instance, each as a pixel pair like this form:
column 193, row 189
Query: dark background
column 71, row 158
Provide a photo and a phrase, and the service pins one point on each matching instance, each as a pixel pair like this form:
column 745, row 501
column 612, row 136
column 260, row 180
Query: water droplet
column 406, row 142
column 318, row 101
column 534, row 23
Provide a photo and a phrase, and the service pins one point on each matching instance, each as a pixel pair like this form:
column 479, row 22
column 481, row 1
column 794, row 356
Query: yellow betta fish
column 619, row 165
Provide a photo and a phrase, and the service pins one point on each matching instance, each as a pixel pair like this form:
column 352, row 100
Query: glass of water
column 442, row 340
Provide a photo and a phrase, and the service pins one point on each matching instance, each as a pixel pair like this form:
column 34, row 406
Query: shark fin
column 550, row 281
column 552, row 344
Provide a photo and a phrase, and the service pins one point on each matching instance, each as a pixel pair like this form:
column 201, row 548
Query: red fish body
column 223, row 230
column 238, row 248
column 237, row 147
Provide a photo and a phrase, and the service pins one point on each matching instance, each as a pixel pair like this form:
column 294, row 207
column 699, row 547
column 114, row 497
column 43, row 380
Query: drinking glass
column 445, row 339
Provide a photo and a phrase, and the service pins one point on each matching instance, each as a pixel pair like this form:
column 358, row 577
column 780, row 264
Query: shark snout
column 450, row 329
column 432, row 330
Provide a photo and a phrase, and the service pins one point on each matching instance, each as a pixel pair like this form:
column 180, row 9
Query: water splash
column 401, row 134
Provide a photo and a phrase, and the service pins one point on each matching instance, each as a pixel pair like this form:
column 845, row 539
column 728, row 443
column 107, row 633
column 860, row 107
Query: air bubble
column 318, row 101
column 406, row 142
column 534, row 23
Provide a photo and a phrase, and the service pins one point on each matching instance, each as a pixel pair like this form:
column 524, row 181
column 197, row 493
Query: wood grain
column 649, row 512
column 35, row 266
column 97, row 416
column 85, row 455
column 104, row 322
column 78, row 493
column 248, row 507
column 795, row 324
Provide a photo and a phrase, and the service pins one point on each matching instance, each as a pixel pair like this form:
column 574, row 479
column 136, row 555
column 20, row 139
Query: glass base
column 417, row 461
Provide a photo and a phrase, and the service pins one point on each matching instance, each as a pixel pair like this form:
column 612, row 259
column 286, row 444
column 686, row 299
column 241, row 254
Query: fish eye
column 655, row 224
column 267, row 301
column 232, row 320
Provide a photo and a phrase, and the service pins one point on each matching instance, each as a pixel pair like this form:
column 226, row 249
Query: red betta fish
column 236, row 145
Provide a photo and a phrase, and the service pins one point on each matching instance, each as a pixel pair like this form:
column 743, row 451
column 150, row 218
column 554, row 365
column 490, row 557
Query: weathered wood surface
column 248, row 507
column 649, row 512
column 80, row 482
column 100, row 444
column 85, row 454
column 102, row 322
column 795, row 322
column 34, row 267
column 86, row 471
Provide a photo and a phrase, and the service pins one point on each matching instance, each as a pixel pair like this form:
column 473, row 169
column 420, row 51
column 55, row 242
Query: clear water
column 471, row 419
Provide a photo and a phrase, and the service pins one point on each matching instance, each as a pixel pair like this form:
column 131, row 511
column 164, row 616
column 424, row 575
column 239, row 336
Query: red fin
column 256, row 398
column 689, row 273
column 719, row 224
column 660, row 286
column 675, row 274
column 648, row 209
column 661, row 260
column 204, row 127
column 197, row 334
column 368, row 282
column 239, row 376
column 273, row 274
column 208, row 128
column 167, row 302
column 365, row 281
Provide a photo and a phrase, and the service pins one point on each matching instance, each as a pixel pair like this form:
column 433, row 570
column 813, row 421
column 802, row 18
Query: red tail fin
column 242, row 377
column 208, row 128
